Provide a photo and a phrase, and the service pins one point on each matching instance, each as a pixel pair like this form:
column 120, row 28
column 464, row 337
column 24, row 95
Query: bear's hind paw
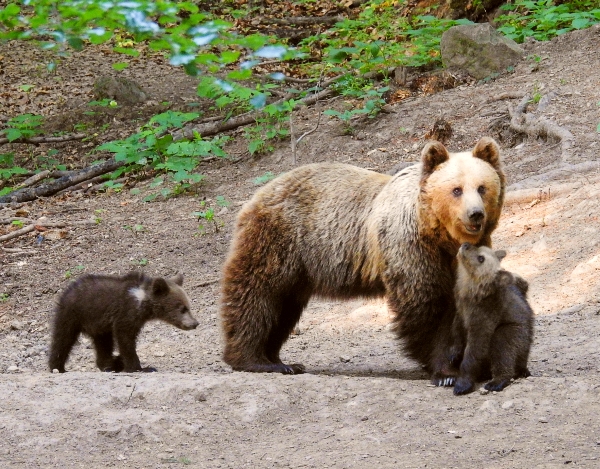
column 497, row 384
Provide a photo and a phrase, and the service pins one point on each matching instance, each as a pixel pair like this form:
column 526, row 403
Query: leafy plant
column 544, row 19
column 4, row 297
column 141, row 262
column 208, row 214
column 17, row 223
column 8, row 170
column 154, row 147
column 23, row 126
column 260, row 180
column 71, row 272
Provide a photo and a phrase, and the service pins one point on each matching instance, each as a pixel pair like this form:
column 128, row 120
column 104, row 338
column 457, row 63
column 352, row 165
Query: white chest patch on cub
column 138, row 293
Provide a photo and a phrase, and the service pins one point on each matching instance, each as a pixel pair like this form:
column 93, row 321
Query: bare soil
column 362, row 404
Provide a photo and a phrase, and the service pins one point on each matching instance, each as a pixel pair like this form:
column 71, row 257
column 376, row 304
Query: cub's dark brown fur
column 109, row 309
column 338, row 231
column 493, row 323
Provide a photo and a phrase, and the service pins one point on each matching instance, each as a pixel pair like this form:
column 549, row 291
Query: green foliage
column 194, row 39
column 72, row 272
column 4, row 297
column 155, row 148
column 379, row 39
column 208, row 214
column 543, row 19
column 272, row 125
column 23, row 126
column 260, row 180
column 8, row 170
column 371, row 106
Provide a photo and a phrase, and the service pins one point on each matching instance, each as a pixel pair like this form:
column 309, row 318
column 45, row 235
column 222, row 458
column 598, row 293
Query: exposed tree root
column 540, row 127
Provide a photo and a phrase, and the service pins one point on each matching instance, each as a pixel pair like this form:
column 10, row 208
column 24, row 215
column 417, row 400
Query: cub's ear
column 521, row 283
column 500, row 254
column 504, row 278
column 159, row 286
column 488, row 150
column 432, row 156
column 177, row 279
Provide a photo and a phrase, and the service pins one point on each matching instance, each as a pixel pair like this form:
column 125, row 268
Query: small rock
column 55, row 370
column 483, row 391
column 159, row 354
column 345, row 359
column 364, row 419
column 559, row 370
column 200, row 397
column 507, row 405
column 543, row 420
column 16, row 325
column 12, row 368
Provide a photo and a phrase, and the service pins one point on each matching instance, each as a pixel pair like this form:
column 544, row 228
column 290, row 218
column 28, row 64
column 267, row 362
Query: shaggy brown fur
column 493, row 326
column 109, row 308
column 339, row 231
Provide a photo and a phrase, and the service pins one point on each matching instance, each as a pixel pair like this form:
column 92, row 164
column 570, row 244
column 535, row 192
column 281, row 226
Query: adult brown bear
column 338, row 231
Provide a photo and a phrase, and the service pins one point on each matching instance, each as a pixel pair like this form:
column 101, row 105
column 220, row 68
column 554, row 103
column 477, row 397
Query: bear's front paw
column 293, row 369
column 497, row 384
column 443, row 380
column 463, row 386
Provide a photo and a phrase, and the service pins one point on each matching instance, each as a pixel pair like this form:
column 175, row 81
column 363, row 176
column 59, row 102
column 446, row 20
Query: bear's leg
column 65, row 333
column 291, row 309
column 256, row 331
column 103, row 343
column 126, row 341
column 504, row 350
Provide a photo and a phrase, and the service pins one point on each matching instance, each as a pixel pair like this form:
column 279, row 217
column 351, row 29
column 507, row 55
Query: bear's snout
column 464, row 247
column 476, row 215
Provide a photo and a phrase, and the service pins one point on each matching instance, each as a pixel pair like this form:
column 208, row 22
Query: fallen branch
column 62, row 138
column 8, row 221
column 540, row 127
column 302, row 20
column 34, row 179
column 206, row 283
column 17, row 233
column 27, row 194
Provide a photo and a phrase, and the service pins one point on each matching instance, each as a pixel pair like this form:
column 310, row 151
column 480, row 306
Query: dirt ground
column 362, row 404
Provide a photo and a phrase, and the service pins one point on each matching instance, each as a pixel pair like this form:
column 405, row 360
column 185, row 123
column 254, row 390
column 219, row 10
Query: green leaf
column 580, row 23
column 120, row 65
column 127, row 51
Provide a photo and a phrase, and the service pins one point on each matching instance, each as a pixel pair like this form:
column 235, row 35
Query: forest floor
column 362, row 403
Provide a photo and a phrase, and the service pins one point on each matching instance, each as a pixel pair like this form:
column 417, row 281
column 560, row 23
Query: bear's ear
column 488, row 150
column 504, row 278
column 432, row 156
column 159, row 286
column 177, row 279
column 521, row 283
column 500, row 254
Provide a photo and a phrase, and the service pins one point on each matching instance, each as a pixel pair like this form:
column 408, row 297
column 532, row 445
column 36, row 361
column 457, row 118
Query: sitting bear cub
column 493, row 318
column 107, row 307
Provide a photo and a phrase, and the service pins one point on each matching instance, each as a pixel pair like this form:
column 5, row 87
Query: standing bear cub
column 339, row 231
column 493, row 328
column 108, row 309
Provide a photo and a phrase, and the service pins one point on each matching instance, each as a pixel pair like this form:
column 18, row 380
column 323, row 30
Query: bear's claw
column 444, row 381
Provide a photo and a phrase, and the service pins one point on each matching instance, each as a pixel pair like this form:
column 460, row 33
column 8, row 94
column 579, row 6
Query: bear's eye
column 480, row 259
column 481, row 190
column 457, row 191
